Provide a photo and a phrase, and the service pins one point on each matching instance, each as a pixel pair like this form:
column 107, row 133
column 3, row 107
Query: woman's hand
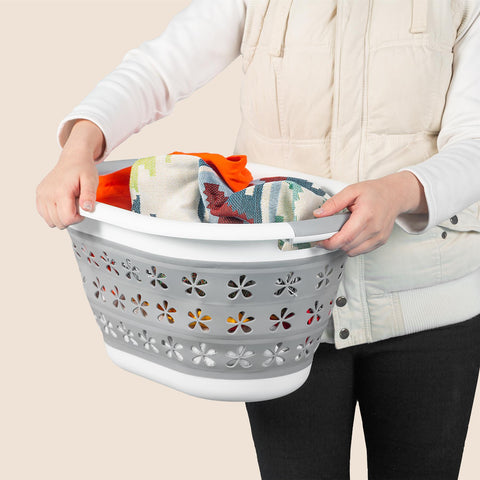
column 74, row 180
column 374, row 206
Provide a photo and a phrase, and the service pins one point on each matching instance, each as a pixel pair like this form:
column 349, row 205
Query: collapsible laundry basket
column 214, row 310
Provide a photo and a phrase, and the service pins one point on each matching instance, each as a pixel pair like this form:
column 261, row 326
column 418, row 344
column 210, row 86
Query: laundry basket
column 213, row 310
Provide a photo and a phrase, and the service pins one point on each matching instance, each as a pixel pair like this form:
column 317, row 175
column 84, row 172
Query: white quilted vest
column 355, row 90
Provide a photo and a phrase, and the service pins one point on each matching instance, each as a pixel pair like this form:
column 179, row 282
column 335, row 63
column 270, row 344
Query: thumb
column 88, row 192
column 334, row 204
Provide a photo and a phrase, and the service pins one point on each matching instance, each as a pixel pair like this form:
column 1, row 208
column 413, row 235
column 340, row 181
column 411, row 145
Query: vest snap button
column 341, row 301
column 344, row 333
column 454, row 220
column 444, row 234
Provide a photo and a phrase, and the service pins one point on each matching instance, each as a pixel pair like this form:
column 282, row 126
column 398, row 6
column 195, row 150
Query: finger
column 67, row 210
column 88, row 192
column 341, row 200
column 52, row 210
column 44, row 213
column 347, row 234
column 366, row 247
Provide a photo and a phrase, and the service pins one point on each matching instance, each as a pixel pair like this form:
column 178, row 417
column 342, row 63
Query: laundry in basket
column 213, row 310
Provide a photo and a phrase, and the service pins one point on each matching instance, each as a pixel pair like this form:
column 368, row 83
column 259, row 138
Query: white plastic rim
column 208, row 231
column 243, row 390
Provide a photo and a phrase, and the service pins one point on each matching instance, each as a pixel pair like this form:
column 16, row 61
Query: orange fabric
column 232, row 169
column 114, row 189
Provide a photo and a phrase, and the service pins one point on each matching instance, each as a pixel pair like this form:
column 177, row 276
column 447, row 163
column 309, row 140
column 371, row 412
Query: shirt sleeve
column 198, row 43
column 451, row 177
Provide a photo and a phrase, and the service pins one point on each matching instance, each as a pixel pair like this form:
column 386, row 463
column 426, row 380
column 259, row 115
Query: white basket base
column 243, row 390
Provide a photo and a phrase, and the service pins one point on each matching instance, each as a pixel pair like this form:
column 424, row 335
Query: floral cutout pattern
column 287, row 284
column 149, row 342
column 156, row 278
column 241, row 288
column 106, row 325
column 99, row 290
column 90, row 256
column 240, row 323
column 110, row 263
column 305, row 348
column 172, row 349
column 285, row 315
column 314, row 312
column 194, row 284
column 118, row 298
column 132, row 270
column 324, row 277
column 128, row 335
column 240, row 357
column 199, row 319
column 203, row 354
column 274, row 356
column 139, row 305
column 166, row 312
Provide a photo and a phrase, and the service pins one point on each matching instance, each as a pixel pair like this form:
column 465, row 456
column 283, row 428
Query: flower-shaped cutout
column 199, row 319
column 106, row 325
column 128, row 335
column 274, row 356
column 287, row 284
column 194, row 283
column 139, row 305
column 305, row 348
column 242, row 287
column 76, row 250
column 240, row 323
column 282, row 320
column 240, row 357
column 132, row 270
column 314, row 312
column 148, row 342
column 118, row 298
column 172, row 348
column 99, row 290
column 90, row 256
column 156, row 278
column 203, row 354
column 166, row 312
column 324, row 277
column 110, row 263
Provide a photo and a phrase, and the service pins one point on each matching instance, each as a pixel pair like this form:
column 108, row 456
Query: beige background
column 66, row 411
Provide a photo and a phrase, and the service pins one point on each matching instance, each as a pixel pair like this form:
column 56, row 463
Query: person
column 385, row 97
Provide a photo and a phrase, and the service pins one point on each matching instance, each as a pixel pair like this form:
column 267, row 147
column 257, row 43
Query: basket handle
column 316, row 229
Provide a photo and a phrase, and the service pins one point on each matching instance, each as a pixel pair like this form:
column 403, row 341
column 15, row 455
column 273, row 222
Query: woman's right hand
column 74, row 180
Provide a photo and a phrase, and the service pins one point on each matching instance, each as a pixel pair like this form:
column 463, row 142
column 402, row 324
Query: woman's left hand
column 374, row 206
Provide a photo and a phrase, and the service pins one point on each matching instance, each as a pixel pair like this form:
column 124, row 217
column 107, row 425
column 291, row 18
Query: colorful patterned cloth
column 186, row 187
column 266, row 200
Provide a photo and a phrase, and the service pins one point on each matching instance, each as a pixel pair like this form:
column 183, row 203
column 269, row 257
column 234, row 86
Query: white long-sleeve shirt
column 204, row 38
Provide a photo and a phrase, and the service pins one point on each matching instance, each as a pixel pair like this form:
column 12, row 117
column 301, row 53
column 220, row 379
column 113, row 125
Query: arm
column 415, row 197
column 198, row 43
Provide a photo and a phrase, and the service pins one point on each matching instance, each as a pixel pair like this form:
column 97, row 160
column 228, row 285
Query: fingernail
column 87, row 206
column 318, row 211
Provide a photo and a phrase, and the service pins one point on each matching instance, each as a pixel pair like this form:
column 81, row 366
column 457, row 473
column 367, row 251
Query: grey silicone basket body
column 222, row 329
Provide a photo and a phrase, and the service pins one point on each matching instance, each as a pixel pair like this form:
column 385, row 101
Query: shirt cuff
column 417, row 223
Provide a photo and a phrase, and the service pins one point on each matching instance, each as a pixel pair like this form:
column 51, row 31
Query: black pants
column 415, row 394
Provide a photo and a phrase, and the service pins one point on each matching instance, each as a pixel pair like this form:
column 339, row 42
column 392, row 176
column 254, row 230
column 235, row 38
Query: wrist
column 86, row 136
column 410, row 192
